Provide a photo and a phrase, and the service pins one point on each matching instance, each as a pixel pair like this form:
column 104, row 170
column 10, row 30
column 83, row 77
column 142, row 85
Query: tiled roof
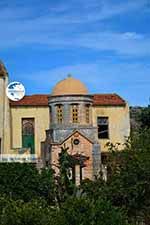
column 108, row 100
column 32, row 100
column 99, row 100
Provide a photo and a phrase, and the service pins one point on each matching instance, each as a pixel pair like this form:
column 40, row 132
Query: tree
column 17, row 212
column 64, row 184
column 144, row 118
column 23, row 181
column 128, row 187
column 123, row 197
column 74, row 211
column 47, row 185
column 82, row 210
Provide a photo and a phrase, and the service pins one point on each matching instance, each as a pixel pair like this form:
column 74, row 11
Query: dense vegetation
column 29, row 197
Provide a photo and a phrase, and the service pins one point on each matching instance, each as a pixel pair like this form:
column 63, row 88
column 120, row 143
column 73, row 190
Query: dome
column 69, row 86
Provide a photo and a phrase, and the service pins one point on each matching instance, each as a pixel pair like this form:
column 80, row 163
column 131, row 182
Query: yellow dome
column 69, row 86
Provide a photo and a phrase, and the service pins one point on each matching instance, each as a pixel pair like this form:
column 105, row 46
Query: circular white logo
column 15, row 91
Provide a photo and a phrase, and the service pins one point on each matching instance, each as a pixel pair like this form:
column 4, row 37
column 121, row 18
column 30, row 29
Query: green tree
column 18, row 212
column 23, row 181
column 144, row 118
column 74, row 211
column 83, row 211
column 128, row 186
column 64, row 184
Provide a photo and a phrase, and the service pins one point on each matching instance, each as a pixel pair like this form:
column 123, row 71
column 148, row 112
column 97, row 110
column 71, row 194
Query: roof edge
column 98, row 100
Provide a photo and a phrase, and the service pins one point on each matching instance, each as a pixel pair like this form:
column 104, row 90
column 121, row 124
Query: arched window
column 75, row 112
column 28, row 134
column 28, row 127
column 59, row 109
column 87, row 113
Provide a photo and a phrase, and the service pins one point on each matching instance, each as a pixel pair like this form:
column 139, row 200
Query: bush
column 23, row 181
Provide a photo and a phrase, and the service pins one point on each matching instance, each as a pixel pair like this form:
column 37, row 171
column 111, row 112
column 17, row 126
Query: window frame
column 25, row 121
column 59, row 113
column 104, row 124
column 75, row 113
column 87, row 113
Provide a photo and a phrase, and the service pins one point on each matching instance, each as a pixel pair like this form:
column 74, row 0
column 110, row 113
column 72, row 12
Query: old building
column 69, row 117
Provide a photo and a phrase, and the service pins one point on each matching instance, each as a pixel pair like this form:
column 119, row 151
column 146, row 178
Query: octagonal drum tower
column 71, row 127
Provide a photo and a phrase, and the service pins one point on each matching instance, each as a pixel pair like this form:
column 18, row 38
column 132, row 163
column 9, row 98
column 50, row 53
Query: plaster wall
column 41, row 117
column 119, row 123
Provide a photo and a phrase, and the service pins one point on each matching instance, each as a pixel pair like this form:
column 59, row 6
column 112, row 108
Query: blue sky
column 104, row 43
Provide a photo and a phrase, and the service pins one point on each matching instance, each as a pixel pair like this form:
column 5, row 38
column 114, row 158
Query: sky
column 104, row 43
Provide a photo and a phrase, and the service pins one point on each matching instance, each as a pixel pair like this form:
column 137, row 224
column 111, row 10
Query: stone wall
column 85, row 148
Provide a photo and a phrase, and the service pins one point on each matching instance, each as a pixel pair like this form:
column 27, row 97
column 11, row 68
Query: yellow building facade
column 69, row 114
column 41, row 123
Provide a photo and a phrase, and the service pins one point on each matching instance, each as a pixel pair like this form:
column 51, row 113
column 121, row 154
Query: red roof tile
column 32, row 100
column 108, row 100
column 99, row 100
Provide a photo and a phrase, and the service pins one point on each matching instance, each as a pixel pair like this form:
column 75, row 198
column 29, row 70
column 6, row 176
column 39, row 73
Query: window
column 75, row 114
column 103, row 127
column 87, row 113
column 28, row 134
column 59, row 113
column 76, row 141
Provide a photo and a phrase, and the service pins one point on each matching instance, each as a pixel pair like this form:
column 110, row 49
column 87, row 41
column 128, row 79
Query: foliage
column 144, row 118
column 83, row 211
column 74, row 211
column 130, row 182
column 23, row 181
column 18, row 212
column 64, row 185
column 128, row 187
column 30, row 197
